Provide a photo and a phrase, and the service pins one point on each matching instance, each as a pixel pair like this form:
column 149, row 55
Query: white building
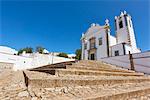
column 8, row 50
column 10, row 60
column 71, row 56
column 97, row 42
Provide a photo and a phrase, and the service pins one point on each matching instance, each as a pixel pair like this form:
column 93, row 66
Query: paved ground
column 84, row 92
column 12, row 87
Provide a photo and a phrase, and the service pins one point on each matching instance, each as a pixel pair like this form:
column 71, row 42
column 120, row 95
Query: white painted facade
column 97, row 32
column 71, row 56
column 141, row 61
column 8, row 50
column 27, row 60
column 117, row 47
column 106, row 45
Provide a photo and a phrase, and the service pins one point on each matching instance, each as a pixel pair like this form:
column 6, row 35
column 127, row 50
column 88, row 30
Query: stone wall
column 4, row 65
column 36, row 60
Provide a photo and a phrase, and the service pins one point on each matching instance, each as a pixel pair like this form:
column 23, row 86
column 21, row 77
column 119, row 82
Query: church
column 97, row 42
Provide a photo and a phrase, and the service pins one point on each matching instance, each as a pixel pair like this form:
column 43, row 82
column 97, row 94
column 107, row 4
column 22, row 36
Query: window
column 130, row 23
column 120, row 24
column 92, row 43
column 100, row 41
column 126, row 21
column 117, row 53
column 115, row 25
column 85, row 46
column 92, row 46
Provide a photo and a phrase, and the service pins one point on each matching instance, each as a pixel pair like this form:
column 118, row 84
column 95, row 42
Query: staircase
column 88, row 80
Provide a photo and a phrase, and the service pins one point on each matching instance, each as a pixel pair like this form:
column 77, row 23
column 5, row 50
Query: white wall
column 41, row 59
column 126, row 31
column 97, row 32
column 141, row 64
column 131, row 31
column 18, row 61
column 9, row 50
column 112, row 40
column 101, row 49
column 127, row 49
column 122, row 34
column 118, row 47
column 36, row 60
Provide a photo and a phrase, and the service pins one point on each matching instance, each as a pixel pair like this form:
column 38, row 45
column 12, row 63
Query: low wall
column 141, row 61
column 4, row 65
column 41, row 60
column 36, row 60
column 19, row 62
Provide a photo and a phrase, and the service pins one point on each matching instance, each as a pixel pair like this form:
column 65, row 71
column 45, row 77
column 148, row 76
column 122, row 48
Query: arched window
column 120, row 24
column 100, row 41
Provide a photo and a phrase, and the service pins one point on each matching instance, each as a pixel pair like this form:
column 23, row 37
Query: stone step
column 48, row 67
column 91, row 62
column 64, row 72
column 120, row 91
column 61, row 65
column 78, row 82
column 93, row 65
column 98, row 69
column 37, row 79
column 101, row 67
column 80, row 68
column 123, row 93
column 97, row 64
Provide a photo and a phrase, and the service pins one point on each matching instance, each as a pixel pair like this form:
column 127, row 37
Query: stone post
column 131, row 61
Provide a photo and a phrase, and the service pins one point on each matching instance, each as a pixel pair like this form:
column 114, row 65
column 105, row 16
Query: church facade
column 97, row 42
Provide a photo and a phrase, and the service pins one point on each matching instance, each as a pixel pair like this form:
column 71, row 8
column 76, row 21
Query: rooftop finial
column 125, row 12
column 82, row 34
column 107, row 22
column 121, row 14
column 93, row 24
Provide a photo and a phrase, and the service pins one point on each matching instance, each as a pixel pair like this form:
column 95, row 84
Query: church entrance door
column 92, row 56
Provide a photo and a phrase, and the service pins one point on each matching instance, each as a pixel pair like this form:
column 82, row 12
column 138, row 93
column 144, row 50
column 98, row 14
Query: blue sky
column 58, row 25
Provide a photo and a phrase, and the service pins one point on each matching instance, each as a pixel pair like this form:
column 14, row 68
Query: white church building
column 97, row 42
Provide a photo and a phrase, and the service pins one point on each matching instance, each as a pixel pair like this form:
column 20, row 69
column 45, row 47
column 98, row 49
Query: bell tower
column 124, row 29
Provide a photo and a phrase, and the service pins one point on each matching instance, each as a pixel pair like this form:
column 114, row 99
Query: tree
column 27, row 50
column 78, row 54
column 39, row 49
column 63, row 55
column 20, row 51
